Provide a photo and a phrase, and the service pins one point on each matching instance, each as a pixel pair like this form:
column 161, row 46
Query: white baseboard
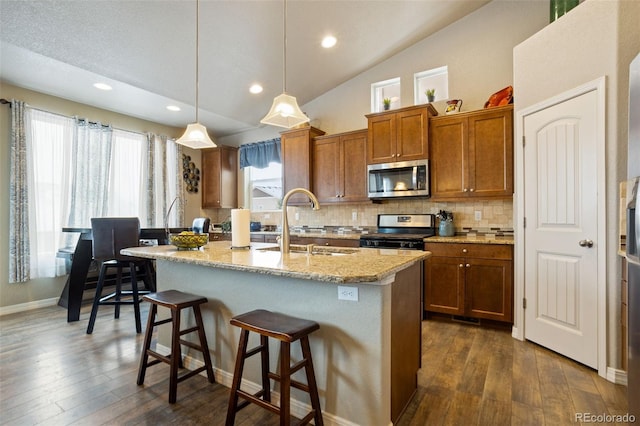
column 22, row 307
column 298, row 409
column 619, row 377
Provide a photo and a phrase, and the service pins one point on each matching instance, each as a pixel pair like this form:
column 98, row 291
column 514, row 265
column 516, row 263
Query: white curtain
column 48, row 180
column 162, row 183
column 91, row 155
column 65, row 170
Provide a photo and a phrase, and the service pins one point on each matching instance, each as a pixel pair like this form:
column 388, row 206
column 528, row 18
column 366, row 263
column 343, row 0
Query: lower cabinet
column 470, row 280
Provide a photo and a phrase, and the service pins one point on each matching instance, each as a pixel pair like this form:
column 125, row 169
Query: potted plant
column 431, row 94
column 386, row 103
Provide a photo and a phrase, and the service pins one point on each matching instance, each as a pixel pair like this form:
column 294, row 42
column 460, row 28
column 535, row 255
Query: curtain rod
column 4, row 101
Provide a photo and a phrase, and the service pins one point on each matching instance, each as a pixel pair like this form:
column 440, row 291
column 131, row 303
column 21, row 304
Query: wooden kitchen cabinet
column 340, row 167
column 471, row 155
column 470, row 280
column 399, row 135
column 220, row 177
column 297, row 161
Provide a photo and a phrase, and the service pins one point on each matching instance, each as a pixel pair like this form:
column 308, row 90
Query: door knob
column 586, row 243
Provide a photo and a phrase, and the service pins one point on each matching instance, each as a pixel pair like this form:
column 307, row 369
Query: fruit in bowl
column 188, row 240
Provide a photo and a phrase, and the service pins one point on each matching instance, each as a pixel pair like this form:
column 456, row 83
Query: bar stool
column 287, row 329
column 110, row 235
column 176, row 301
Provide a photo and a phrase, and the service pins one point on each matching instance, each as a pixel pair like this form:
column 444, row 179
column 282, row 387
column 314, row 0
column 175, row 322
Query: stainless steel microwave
column 402, row 179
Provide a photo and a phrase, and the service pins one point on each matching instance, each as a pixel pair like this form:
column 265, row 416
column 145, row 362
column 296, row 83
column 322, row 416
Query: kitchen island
column 367, row 352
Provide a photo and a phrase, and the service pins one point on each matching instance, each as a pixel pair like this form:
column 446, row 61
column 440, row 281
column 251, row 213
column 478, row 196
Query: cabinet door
column 491, row 154
column 448, row 145
column 444, row 285
column 297, row 158
column 211, row 178
column 411, row 135
column 381, row 140
column 228, row 177
column 353, row 167
column 326, row 169
column 489, row 289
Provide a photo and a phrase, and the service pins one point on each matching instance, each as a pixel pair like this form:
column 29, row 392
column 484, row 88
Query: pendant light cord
column 284, row 53
column 197, row 54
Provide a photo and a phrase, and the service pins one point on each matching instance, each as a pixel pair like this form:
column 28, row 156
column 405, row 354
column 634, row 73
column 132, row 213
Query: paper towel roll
column 240, row 219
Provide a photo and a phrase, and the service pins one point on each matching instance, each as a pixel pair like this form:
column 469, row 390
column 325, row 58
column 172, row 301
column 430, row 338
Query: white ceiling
column 146, row 50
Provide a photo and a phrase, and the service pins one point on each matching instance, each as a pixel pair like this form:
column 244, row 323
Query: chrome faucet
column 284, row 241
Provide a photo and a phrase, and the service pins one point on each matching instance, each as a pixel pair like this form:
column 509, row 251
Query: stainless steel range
column 401, row 231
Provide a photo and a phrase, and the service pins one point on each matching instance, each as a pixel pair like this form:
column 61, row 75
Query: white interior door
column 560, row 235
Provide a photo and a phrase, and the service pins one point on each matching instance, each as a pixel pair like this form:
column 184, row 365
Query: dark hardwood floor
column 52, row 373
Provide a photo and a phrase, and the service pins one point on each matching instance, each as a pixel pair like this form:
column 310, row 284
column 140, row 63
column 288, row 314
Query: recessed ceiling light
column 329, row 41
column 256, row 88
column 173, row 108
column 102, row 86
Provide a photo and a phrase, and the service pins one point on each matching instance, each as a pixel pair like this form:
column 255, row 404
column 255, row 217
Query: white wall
column 597, row 38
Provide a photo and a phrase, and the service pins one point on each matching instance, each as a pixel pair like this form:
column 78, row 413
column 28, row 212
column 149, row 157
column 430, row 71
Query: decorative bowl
column 188, row 241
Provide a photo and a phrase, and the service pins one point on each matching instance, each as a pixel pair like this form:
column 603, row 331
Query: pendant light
column 285, row 111
column 196, row 135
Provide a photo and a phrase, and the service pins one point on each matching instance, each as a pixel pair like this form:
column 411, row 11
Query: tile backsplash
column 494, row 214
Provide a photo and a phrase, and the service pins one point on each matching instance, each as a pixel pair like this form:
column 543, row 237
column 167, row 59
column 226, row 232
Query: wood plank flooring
column 52, row 373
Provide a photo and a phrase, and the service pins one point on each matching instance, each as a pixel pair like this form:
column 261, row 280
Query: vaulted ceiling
column 145, row 49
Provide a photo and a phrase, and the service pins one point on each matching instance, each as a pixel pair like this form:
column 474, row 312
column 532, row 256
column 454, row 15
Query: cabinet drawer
column 487, row 251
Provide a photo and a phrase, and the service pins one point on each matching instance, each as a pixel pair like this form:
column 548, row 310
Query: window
column 264, row 187
column 437, row 78
column 115, row 162
column 388, row 89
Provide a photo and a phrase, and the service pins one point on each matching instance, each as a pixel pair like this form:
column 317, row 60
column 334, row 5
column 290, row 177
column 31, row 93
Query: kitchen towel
column 240, row 219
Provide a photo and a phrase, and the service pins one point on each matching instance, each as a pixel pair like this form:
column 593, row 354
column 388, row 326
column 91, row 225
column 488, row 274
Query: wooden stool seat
column 286, row 329
column 176, row 301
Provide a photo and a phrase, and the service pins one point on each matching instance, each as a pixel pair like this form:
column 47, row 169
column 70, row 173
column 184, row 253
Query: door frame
column 599, row 86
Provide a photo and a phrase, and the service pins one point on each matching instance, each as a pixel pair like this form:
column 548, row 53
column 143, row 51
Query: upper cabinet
column 297, row 161
column 471, row 154
column 340, row 167
column 399, row 135
column 220, row 177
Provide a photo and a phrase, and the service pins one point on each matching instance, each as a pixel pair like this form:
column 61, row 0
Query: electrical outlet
column 347, row 293
column 478, row 215
column 297, row 216
column 354, row 216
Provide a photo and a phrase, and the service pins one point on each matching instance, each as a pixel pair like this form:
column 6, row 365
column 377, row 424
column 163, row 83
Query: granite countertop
column 478, row 239
column 337, row 235
column 363, row 265
column 464, row 239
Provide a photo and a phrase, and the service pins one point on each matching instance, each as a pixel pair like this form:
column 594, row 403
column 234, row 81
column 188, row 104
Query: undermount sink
column 315, row 250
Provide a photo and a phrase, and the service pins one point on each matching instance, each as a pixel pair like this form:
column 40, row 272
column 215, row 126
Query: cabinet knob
column 461, row 266
column 471, row 190
column 464, row 250
column 464, row 190
column 326, row 244
column 467, row 265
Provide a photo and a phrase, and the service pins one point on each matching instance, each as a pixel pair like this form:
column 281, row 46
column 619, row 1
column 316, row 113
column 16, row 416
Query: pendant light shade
column 285, row 111
column 196, row 136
